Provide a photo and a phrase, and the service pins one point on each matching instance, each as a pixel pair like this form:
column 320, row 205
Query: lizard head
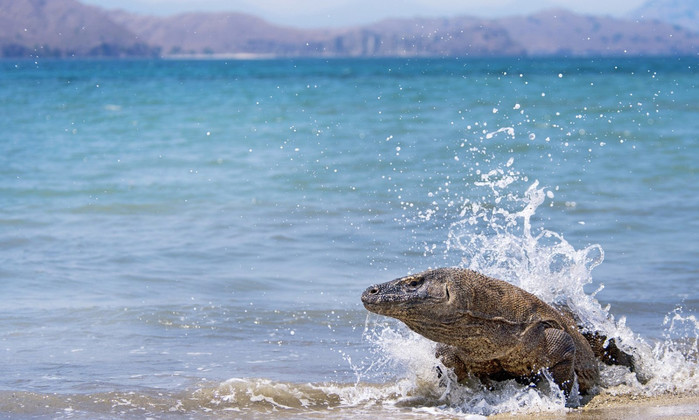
column 416, row 299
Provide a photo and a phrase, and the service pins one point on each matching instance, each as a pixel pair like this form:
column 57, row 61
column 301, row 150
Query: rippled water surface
column 193, row 236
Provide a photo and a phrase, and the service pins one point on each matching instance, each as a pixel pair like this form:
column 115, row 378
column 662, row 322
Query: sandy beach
column 613, row 407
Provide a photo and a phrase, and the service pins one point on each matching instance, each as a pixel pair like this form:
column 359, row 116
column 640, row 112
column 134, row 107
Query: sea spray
column 503, row 244
column 497, row 236
column 497, row 241
column 675, row 359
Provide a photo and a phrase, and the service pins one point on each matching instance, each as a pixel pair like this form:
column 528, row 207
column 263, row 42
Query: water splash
column 503, row 244
column 497, row 236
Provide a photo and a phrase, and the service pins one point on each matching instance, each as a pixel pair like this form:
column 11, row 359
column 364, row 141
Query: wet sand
column 614, row 407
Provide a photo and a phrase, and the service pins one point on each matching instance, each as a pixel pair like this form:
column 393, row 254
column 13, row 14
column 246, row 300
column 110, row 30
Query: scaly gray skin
column 487, row 327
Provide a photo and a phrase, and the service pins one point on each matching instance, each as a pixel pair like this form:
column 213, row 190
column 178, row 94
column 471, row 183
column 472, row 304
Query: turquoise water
column 166, row 226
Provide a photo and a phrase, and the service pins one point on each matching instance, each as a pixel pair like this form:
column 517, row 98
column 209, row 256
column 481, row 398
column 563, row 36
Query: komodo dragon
column 492, row 329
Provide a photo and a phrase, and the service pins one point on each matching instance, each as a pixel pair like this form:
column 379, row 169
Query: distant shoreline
column 270, row 57
column 223, row 56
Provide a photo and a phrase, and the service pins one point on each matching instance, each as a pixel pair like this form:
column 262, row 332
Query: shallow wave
column 398, row 379
column 399, row 376
column 418, row 394
column 263, row 398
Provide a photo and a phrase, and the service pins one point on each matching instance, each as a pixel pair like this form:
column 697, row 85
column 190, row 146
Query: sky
column 337, row 13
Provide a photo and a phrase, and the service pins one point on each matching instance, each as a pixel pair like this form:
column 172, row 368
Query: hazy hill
column 555, row 32
column 560, row 32
column 215, row 33
column 679, row 12
column 232, row 33
column 66, row 28
column 63, row 28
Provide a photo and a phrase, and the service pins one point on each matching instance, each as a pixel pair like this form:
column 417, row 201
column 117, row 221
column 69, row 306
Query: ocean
column 190, row 239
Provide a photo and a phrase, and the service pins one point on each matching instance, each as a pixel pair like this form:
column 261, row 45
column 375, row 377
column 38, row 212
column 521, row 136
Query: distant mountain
column 49, row 28
column 234, row 33
column 684, row 13
column 554, row 32
column 216, row 33
column 560, row 32
column 68, row 28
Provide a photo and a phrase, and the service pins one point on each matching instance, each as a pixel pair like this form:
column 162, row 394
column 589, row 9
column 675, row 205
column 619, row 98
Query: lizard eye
column 415, row 282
